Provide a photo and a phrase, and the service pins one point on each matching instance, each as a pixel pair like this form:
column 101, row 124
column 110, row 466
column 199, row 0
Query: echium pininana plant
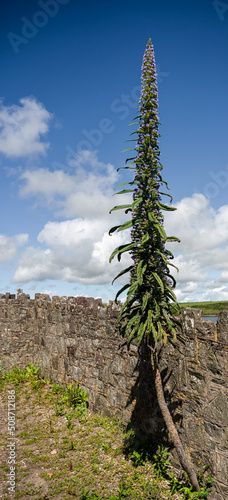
column 146, row 312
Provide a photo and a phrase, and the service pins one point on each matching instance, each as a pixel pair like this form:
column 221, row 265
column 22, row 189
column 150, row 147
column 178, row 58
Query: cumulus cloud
column 87, row 192
column 10, row 244
column 21, row 128
column 78, row 251
column 202, row 255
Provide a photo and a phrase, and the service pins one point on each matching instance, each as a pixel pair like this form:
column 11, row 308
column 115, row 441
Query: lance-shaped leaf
column 122, row 249
column 113, row 229
column 133, row 168
column 142, row 329
column 152, row 217
column 165, row 207
column 160, row 282
column 172, row 238
column 119, row 207
column 136, row 202
column 161, row 231
column 125, row 225
column 145, row 238
column 124, row 183
column 167, row 194
column 141, row 268
column 125, row 287
column 125, row 191
column 122, row 272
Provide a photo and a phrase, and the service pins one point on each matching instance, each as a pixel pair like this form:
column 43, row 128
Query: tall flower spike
column 146, row 313
column 150, row 290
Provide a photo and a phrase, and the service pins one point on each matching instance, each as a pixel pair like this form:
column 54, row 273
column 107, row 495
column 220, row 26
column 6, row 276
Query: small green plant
column 161, row 461
column 75, row 395
column 106, row 446
column 16, row 375
column 59, row 409
column 138, row 457
column 56, row 389
column 69, row 422
column 33, row 372
column 184, row 487
column 38, row 384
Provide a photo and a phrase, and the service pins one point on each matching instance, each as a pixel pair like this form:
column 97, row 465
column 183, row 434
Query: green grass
column 207, row 307
column 63, row 448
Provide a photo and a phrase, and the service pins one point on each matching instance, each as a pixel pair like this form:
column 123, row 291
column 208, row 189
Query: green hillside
column 207, row 307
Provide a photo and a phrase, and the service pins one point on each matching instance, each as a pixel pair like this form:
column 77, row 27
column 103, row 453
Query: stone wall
column 74, row 339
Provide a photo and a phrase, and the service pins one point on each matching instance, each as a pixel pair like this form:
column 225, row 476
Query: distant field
column 207, row 307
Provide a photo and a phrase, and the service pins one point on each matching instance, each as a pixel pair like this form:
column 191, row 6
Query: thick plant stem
column 174, row 437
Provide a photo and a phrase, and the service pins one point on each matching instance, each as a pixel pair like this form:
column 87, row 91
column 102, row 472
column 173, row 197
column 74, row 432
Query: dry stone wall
column 75, row 339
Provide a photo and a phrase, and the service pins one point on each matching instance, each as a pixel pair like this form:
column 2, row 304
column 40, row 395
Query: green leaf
column 145, row 300
column 113, row 229
column 125, row 225
column 124, row 183
column 142, row 265
column 119, row 207
column 152, row 329
column 169, row 195
column 172, row 238
column 172, row 278
column 121, row 249
column 142, row 330
column 125, row 191
column 136, row 202
column 134, row 319
column 133, row 288
column 152, row 217
column 121, row 291
column 122, row 272
column 133, row 168
column 165, row 207
column 145, row 238
column 132, row 335
column 153, row 194
column 129, row 149
column 171, row 294
column 161, row 231
column 170, row 264
column 160, row 282
column 128, row 159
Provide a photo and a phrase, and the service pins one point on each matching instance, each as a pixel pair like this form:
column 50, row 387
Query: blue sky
column 70, row 84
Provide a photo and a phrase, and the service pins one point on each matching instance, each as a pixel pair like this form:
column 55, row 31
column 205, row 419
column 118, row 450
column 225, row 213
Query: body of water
column 211, row 318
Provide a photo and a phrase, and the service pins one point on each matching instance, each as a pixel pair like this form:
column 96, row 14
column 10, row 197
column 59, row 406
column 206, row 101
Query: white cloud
column 9, row 245
column 42, row 182
column 202, row 255
column 21, row 128
column 78, row 251
column 88, row 192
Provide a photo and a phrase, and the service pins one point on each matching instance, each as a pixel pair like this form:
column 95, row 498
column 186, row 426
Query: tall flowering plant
column 146, row 314
column 146, row 311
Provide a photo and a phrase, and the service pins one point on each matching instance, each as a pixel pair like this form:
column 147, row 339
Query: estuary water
column 211, row 318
